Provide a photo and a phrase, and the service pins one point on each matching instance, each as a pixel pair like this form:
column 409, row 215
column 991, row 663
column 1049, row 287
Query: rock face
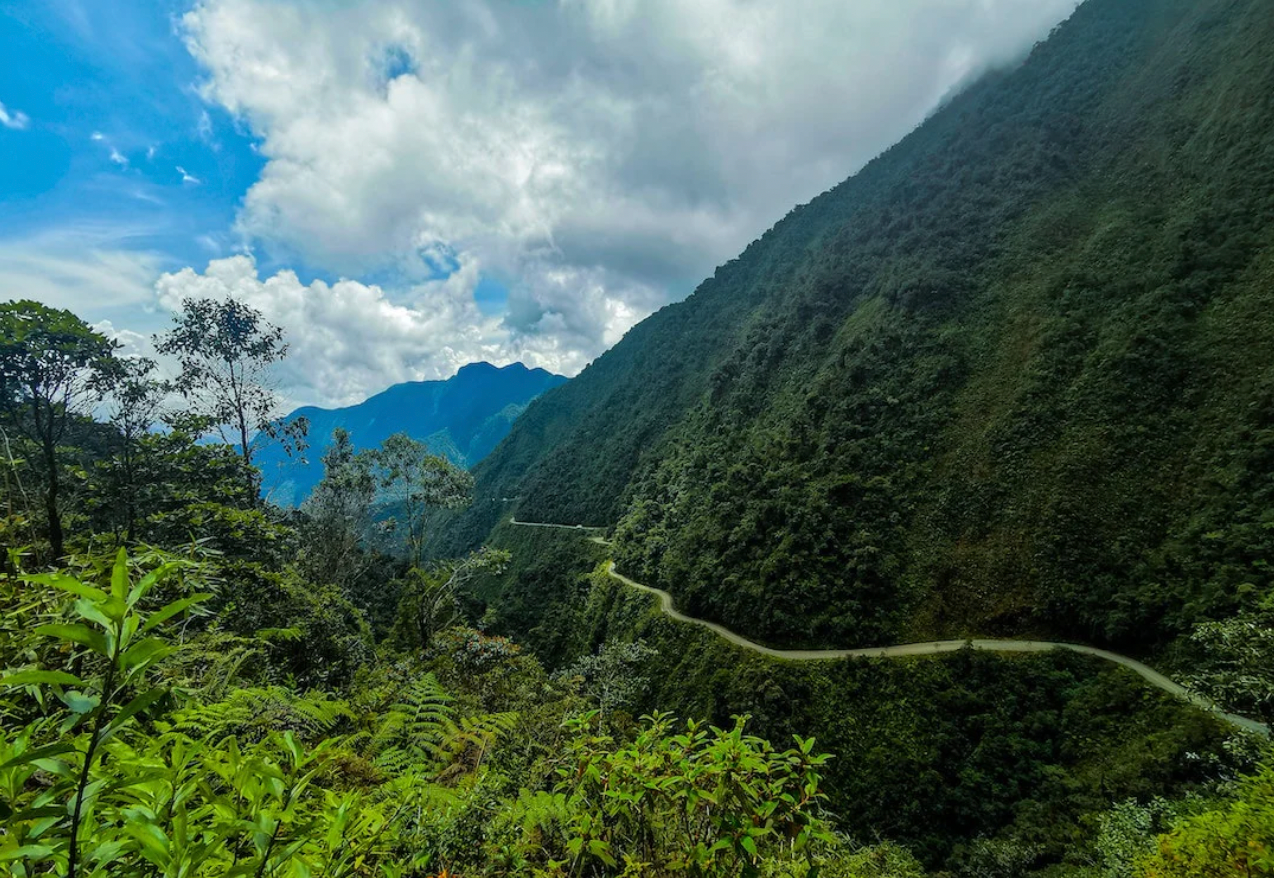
column 463, row 418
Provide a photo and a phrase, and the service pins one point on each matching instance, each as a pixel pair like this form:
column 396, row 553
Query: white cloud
column 605, row 153
column 188, row 178
column 115, row 155
column 350, row 339
column 15, row 119
column 131, row 344
column 84, row 270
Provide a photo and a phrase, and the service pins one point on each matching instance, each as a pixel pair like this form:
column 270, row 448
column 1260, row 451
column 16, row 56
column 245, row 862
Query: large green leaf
column 36, row 678
column 163, row 615
column 143, row 653
column 149, row 581
column 119, row 576
column 29, row 756
column 62, row 582
column 80, row 634
column 80, row 703
column 138, row 704
column 28, row 852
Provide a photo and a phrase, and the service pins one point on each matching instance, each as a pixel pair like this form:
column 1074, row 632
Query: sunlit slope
column 1016, row 377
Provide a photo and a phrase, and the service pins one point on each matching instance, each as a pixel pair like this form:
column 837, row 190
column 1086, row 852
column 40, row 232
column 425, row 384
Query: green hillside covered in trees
column 1013, row 377
column 1012, row 380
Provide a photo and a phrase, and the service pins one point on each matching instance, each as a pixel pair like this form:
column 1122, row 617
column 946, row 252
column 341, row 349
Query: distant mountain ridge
column 462, row 418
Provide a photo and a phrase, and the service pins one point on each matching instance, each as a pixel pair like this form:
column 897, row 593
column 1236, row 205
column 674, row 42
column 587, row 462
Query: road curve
column 935, row 647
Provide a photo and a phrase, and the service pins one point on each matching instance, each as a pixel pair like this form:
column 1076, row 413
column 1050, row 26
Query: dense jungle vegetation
column 197, row 683
column 1014, row 377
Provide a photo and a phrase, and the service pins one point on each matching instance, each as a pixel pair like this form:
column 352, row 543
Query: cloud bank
column 348, row 336
column 599, row 157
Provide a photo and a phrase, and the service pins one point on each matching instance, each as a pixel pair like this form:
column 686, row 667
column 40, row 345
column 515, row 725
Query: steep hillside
column 935, row 752
column 463, row 418
column 1017, row 375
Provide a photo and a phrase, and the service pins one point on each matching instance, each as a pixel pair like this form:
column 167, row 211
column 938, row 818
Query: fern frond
column 252, row 714
column 413, row 729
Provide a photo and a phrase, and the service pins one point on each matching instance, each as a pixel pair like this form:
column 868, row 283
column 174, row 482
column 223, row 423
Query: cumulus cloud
column 349, row 339
column 605, row 154
column 13, row 119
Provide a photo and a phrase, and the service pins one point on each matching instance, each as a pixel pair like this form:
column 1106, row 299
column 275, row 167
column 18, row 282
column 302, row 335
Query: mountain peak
column 462, row 418
column 482, row 367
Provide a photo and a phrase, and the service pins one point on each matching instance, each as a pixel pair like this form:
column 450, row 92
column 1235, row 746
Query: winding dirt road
column 934, row 647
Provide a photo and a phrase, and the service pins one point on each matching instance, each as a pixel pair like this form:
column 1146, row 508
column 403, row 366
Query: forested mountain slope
column 462, row 418
column 1015, row 376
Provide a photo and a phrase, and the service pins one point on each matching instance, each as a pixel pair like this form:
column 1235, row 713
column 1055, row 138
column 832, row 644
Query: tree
column 414, row 482
column 1235, row 837
column 1235, row 661
column 53, row 369
column 136, row 404
column 428, row 603
column 226, row 350
column 612, row 676
column 338, row 514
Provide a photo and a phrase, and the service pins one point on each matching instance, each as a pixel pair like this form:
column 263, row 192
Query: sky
column 406, row 186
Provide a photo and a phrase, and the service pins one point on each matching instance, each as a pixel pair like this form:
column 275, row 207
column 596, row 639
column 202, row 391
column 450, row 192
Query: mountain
column 1016, row 376
column 462, row 418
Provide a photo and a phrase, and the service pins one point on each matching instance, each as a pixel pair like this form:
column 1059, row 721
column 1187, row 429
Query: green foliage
column 1235, row 838
column 933, row 753
column 703, row 802
column 105, row 770
column 337, row 516
column 544, row 582
column 53, row 368
column 136, row 405
column 611, row 677
column 429, row 601
column 1013, row 377
column 412, row 482
column 257, row 713
column 1127, row 834
column 414, row 727
column 112, row 631
column 225, row 349
column 1234, row 659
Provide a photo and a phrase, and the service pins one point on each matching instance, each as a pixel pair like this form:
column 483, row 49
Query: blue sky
column 114, row 119
column 111, row 146
column 406, row 186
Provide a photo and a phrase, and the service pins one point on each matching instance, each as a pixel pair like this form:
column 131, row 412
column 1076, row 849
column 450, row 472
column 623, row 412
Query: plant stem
column 94, row 737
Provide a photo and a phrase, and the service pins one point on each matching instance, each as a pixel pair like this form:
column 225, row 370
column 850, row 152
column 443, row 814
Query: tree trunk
column 130, row 484
column 56, row 541
column 254, row 489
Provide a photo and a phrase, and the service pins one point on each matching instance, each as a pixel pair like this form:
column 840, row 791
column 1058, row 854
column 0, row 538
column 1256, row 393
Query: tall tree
column 136, row 404
column 53, row 369
column 338, row 515
column 413, row 482
column 226, row 349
